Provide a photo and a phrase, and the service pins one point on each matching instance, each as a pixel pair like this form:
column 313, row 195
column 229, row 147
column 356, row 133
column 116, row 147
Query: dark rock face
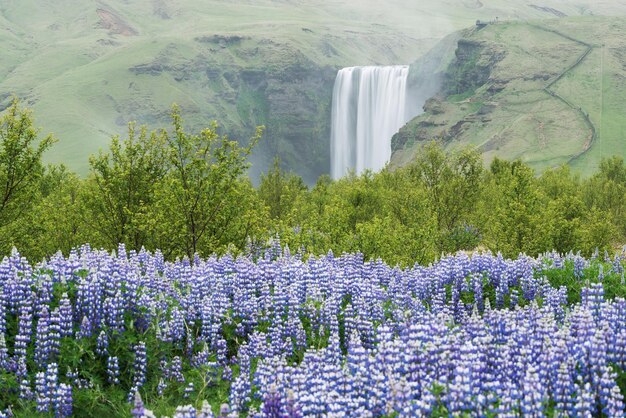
column 114, row 23
column 549, row 10
column 294, row 105
column 434, row 105
column 222, row 40
column 471, row 68
column 255, row 79
column 298, row 126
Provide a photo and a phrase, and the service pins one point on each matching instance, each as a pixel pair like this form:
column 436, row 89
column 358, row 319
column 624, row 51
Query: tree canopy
column 188, row 194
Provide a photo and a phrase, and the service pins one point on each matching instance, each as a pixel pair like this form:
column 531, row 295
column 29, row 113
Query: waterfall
column 368, row 109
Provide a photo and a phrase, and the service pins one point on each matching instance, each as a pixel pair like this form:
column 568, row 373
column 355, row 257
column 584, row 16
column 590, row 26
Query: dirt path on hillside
column 592, row 136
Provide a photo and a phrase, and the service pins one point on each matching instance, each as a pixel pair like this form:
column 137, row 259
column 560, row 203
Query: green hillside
column 546, row 92
column 88, row 67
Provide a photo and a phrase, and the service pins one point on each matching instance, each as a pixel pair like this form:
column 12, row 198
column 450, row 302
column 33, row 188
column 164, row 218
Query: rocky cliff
column 244, row 86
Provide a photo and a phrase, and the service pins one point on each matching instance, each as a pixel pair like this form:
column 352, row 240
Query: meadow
column 276, row 334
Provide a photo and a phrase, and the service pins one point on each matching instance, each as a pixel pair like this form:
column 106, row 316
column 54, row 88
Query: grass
column 524, row 120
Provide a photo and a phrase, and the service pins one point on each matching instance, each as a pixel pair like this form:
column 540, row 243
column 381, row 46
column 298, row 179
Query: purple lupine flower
column 187, row 411
column 502, row 359
column 42, row 344
column 201, row 358
column 188, row 390
column 611, row 399
column 206, row 411
column 72, row 375
column 4, row 353
column 65, row 315
column 161, row 387
column 114, row 312
column 46, row 388
column 3, row 312
column 227, row 374
column 585, row 401
column 138, row 411
column 533, row 395
column 139, row 365
column 272, row 405
column 23, row 337
column 175, row 371
column 85, row 328
column 113, row 370
column 564, row 390
column 22, row 375
column 54, row 335
column 241, row 390
column 102, row 344
column 63, row 402
column 42, row 393
column 221, row 349
column 224, row 411
column 177, row 325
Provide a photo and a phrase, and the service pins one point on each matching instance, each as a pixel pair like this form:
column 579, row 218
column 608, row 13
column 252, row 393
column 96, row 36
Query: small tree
column 20, row 166
column 201, row 198
column 121, row 187
column 279, row 190
column 453, row 186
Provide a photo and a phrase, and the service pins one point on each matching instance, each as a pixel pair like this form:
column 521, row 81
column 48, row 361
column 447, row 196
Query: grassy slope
column 523, row 120
column 75, row 73
column 599, row 86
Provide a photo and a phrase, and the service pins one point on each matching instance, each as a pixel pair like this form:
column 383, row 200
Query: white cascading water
column 368, row 109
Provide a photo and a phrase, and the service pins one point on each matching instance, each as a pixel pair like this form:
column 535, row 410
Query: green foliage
column 59, row 217
column 612, row 282
column 202, row 197
column 512, row 207
column 20, row 171
column 187, row 194
column 453, row 184
column 279, row 191
column 606, row 192
column 405, row 220
column 122, row 187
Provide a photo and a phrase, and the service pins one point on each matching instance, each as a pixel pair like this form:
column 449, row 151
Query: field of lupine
column 277, row 335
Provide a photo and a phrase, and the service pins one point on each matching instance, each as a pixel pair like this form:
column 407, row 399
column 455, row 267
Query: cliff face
column 472, row 66
column 111, row 61
column 534, row 91
column 243, row 64
column 469, row 69
column 298, row 100
column 245, row 83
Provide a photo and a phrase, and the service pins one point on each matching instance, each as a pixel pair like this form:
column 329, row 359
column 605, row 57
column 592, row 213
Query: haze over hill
column 87, row 68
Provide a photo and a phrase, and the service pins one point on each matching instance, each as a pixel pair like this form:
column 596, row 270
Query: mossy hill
column 88, row 67
column 547, row 92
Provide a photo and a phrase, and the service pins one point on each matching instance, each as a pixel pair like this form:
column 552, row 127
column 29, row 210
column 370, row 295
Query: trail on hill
column 592, row 128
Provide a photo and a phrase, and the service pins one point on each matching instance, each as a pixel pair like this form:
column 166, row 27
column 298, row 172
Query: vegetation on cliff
column 546, row 92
